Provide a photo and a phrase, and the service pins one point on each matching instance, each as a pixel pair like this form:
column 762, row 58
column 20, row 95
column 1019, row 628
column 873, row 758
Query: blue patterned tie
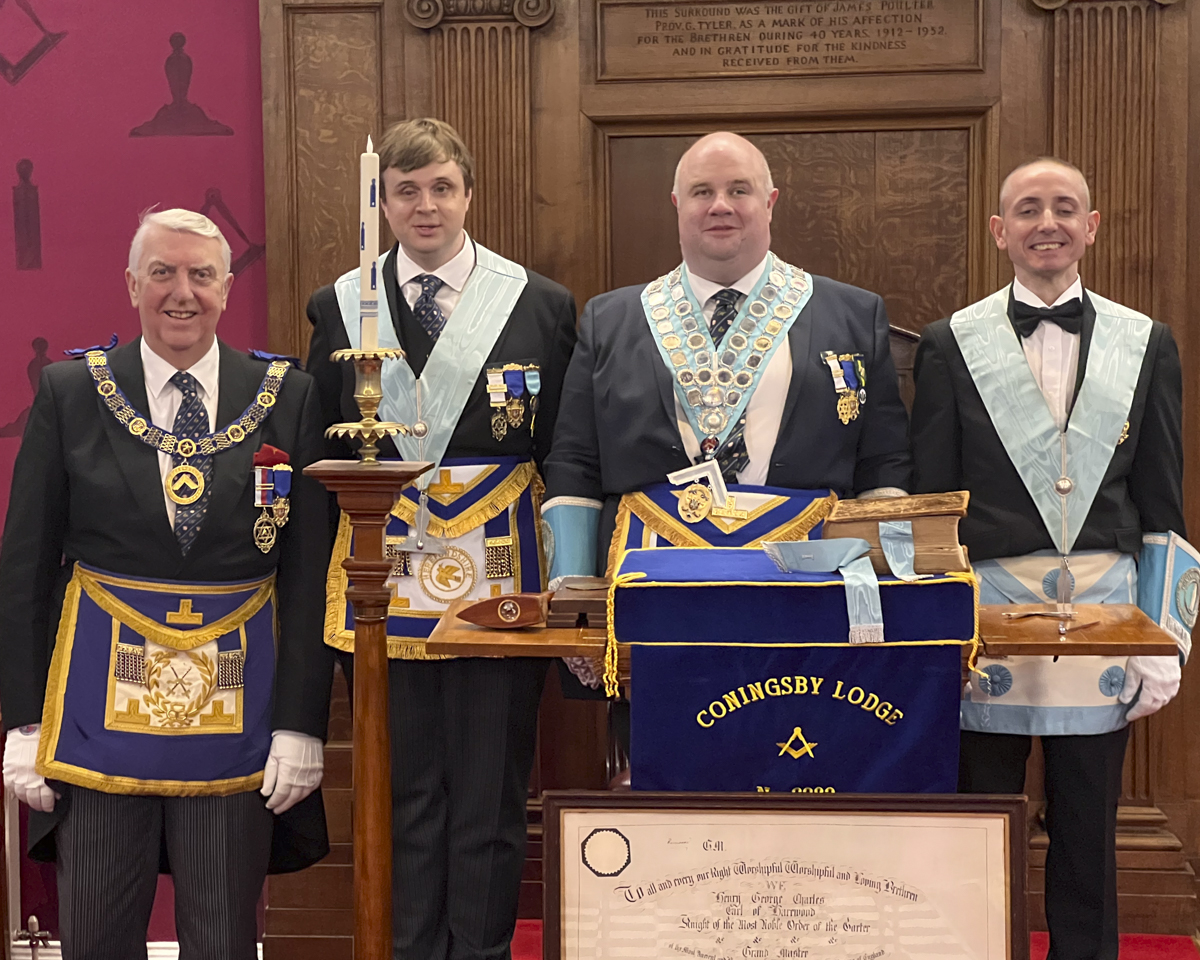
column 426, row 310
column 733, row 457
column 191, row 421
column 724, row 315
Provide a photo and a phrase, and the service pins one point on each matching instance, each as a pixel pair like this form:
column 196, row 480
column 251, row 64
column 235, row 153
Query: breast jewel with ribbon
column 272, row 484
column 185, row 483
column 507, row 386
column 849, row 380
column 714, row 382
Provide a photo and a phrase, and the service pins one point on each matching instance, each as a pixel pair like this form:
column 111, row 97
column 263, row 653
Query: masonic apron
column 160, row 687
column 469, row 528
column 1062, row 470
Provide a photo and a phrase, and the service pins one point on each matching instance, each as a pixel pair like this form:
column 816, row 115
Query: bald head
column 724, row 196
column 1045, row 225
column 1032, row 169
column 731, row 145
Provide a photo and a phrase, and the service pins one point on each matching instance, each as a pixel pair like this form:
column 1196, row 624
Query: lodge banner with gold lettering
column 743, row 677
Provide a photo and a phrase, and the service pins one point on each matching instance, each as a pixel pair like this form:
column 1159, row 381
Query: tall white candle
column 368, row 248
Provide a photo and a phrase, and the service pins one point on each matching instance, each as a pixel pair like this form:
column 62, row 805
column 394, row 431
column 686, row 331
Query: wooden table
column 1099, row 629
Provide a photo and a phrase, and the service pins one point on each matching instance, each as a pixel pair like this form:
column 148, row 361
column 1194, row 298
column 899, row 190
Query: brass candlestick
column 368, row 393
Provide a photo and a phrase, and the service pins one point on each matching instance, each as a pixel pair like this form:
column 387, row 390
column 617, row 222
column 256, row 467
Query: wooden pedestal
column 366, row 493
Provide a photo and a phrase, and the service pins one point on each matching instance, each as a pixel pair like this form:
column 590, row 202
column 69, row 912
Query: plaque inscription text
column 682, row 40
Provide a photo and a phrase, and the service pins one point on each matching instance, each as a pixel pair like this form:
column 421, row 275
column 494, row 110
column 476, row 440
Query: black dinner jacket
column 85, row 489
column 956, row 447
column 617, row 431
column 540, row 329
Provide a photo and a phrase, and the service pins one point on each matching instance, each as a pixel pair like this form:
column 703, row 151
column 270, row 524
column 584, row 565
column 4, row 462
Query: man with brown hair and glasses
column 487, row 344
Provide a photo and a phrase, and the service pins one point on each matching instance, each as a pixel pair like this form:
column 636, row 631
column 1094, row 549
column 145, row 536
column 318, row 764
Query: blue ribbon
column 533, row 380
column 515, row 379
column 849, row 373
column 848, row 556
column 80, row 351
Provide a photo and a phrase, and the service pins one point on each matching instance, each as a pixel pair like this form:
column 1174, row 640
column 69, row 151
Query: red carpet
column 527, row 945
column 1134, row 946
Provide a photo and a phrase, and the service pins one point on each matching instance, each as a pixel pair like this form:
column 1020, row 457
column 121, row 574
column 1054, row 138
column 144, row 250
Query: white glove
column 1156, row 677
column 20, row 775
column 294, row 769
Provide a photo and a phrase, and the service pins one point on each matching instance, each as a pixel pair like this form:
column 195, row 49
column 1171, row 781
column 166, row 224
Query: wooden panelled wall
column 886, row 179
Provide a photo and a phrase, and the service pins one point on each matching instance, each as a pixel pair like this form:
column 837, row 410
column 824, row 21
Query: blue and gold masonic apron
column 160, row 687
column 1048, row 696
column 652, row 517
column 485, row 513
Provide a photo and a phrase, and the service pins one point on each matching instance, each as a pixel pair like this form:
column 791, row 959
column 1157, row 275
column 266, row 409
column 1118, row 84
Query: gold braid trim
column 537, row 490
column 52, row 711
column 670, row 528
column 799, row 528
column 335, row 590
column 173, row 637
column 680, row 534
column 413, row 648
column 611, row 681
column 499, row 500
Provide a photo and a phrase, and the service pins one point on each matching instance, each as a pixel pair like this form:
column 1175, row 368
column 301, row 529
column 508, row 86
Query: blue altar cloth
column 744, row 678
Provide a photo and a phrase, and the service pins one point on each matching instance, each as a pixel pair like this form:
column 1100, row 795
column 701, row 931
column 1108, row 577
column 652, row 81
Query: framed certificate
column 783, row 877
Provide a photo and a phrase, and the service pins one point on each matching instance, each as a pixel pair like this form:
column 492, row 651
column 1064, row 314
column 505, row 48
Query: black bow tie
column 1067, row 315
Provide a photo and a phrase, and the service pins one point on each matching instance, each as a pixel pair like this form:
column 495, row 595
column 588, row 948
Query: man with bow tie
column 1061, row 412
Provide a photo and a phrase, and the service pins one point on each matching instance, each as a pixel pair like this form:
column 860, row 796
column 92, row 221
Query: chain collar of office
column 185, row 483
column 714, row 382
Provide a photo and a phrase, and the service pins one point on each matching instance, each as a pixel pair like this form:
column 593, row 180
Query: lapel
column 138, row 462
column 414, row 341
column 1085, row 342
column 238, row 382
column 800, row 343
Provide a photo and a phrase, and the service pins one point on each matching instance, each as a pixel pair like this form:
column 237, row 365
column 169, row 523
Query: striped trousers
column 108, row 862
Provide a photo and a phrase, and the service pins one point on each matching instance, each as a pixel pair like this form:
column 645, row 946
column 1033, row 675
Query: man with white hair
column 165, row 684
column 783, row 379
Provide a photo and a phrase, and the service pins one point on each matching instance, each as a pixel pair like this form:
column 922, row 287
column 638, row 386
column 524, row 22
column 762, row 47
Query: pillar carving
column 1103, row 121
column 479, row 52
column 1103, row 118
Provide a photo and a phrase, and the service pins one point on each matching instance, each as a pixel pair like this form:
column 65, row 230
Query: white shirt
column 764, row 412
column 164, row 399
column 453, row 274
column 1052, row 353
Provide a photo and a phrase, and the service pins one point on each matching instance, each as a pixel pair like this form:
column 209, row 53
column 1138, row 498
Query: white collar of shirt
column 1025, row 295
column 705, row 290
column 158, row 372
column 453, row 273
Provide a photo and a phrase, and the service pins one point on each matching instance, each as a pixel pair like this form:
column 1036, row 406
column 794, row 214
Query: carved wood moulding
column 1058, row 4
column 481, row 88
column 427, row 14
column 1104, row 86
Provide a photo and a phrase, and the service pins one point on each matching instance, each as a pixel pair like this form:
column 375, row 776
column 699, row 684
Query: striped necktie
column 426, row 310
